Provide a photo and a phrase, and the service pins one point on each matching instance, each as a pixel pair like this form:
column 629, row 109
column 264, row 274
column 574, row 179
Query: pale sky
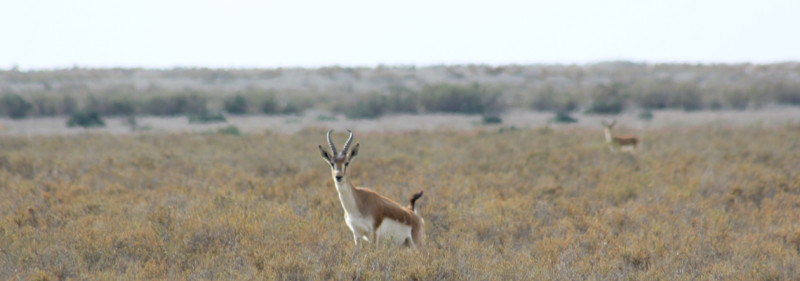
column 42, row 34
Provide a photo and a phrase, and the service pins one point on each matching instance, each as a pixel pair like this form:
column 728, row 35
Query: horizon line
column 16, row 67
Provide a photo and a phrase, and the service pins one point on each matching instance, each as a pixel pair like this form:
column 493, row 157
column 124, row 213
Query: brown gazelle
column 623, row 142
column 370, row 215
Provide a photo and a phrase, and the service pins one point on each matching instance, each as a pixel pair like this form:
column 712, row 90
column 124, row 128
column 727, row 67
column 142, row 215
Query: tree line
column 608, row 88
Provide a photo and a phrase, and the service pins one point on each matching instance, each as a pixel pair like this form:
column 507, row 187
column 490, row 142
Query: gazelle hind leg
column 409, row 243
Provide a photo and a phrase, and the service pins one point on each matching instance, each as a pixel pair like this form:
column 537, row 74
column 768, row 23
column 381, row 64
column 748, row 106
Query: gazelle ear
column 613, row 123
column 354, row 152
column 325, row 154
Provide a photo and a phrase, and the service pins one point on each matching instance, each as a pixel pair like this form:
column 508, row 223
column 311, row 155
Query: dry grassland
column 702, row 203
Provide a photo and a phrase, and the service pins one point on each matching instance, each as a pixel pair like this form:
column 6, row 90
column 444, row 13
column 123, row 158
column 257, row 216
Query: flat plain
column 712, row 201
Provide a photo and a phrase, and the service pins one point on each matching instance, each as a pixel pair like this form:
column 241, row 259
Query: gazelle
column 370, row 215
column 623, row 142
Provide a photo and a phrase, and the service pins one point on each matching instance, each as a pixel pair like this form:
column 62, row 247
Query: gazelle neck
column 608, row 135
column 347, row 196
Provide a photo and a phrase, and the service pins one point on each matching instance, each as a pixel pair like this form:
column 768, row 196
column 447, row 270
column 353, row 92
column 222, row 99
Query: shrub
column 44, row 106
column 563, row 117
column 326, row 118
column 606, row 100
column 402, row 100
column 507, row 129
column 655, row 99
column 737, row 99
column 85, row 119
column 550, row 100
column 205, row 117
column 236, row 105
column 15, row 107
column 688, row 98
column 491, row 119
column 372, row 106
column 176, row 105
column 296, row 105
column 459, row 99
column 787, row 93
column 229, row 130
column 122, row 107
column 270, row 105
column 292, row 107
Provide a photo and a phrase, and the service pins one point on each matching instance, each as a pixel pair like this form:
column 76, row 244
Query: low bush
column 15, row 107
column 370, row 107
column 229, row 130
column 189, row 103
column 646, row 115
column 606, row 99
column 270, row 105
column 449, row 98
column 85, row 119
column 205, row 117
column 236, row 105
column 563, row 117
column 491, row 119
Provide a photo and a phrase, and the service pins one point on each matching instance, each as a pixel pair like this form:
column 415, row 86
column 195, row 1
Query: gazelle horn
column 347, row 143
column 330, row 143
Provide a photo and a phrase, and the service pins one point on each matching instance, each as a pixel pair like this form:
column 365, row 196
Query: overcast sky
column 38, row 34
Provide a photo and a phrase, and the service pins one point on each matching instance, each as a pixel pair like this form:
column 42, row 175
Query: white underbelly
column 394, row 231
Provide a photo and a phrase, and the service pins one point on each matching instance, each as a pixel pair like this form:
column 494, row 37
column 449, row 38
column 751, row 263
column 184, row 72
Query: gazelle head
column 609, row 126
column 339, row 161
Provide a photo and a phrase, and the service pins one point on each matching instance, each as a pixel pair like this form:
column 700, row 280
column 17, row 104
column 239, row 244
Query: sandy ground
column 774, row 116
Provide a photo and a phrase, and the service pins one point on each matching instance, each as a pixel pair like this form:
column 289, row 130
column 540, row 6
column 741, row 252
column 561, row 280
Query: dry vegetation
column 552, row 204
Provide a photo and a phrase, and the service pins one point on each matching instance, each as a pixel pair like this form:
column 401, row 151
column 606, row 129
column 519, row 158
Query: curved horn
column 330, row 143
column 347, row 143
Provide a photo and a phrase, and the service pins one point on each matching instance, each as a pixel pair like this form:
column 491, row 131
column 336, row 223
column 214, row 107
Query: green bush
column 292, row 108
column 450, row 98
column 372, row 106
column 86, row 119
column 688, row 98
column 655, row 99
column 787, row 92
column 491, row 119
column 326, row 118
column 44, row 106
column 563, row 117
column 270, row 105
column 15, row 107
column 606, row 100
column 236, row 105
column 550, row 100
column 121, row 107
column 737, row 99
column 229, row 130
column 669, row 94
column 507, row 129
column 402, row 100
column 205, row 117
column 191, row 103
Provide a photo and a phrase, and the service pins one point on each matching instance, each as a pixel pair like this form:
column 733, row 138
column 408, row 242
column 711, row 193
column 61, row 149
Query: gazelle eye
column 347, row 164
column 333, row 165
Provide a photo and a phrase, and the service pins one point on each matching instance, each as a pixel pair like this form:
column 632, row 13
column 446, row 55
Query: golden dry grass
column 704, row 203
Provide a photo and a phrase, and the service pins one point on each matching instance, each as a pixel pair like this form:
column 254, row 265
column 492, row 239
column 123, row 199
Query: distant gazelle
column 370, row 215
column 623, row 142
